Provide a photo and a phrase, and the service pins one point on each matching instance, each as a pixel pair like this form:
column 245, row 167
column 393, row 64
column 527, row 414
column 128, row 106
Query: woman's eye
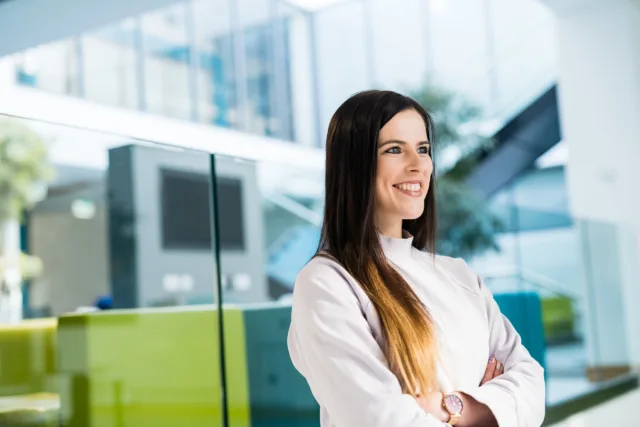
column 393, row 150
column 424, row 149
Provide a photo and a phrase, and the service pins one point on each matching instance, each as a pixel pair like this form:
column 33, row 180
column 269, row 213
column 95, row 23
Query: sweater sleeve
column 332, row 345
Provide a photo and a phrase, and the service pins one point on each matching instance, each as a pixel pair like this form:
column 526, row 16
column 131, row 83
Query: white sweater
column 335, row 342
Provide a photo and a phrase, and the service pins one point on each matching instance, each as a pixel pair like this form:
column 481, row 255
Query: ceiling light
column 313, row 5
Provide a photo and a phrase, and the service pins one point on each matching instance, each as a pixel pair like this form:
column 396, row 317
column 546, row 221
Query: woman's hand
column 431, row 403
column 474, row 413
column 494, row 369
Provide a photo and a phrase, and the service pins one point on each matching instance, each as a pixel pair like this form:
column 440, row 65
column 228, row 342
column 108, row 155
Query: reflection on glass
column 548, row 256
column 280, row 208
column 167, row 55
column 123, row 326
column 264, row 46
column 53, row 67
column 109, row 64
column 215, row 69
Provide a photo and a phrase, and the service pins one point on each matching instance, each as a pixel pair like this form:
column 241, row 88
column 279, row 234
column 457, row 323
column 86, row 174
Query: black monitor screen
column 186, row 219
column 230, row 213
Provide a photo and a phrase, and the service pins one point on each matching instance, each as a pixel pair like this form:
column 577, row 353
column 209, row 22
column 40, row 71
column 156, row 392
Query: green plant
column 466, row 225
column 24, row 168
column 24, row 173
column 452, row 116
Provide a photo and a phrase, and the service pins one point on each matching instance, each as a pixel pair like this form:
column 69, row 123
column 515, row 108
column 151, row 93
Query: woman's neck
column 391, row 229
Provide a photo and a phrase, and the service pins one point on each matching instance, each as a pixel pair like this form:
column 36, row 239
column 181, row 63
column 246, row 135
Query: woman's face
column 404, row 171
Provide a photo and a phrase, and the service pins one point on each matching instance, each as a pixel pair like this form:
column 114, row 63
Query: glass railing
column 282, row 235
column 547, row 253
column 274, row 70
column 510, row 80
column 507, row 82
column 207, row 61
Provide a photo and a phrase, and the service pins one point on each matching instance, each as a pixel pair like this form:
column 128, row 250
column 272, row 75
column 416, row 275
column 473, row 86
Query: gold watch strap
column 454, row 419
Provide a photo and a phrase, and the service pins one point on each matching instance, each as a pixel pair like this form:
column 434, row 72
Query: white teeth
column 408, row 187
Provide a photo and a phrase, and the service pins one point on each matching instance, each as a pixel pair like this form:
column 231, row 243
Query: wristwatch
column 452, row 403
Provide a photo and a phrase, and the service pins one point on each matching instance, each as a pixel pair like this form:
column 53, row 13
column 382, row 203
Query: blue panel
column 524, row 311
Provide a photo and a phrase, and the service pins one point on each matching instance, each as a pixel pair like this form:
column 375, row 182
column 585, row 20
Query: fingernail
column 492, row 359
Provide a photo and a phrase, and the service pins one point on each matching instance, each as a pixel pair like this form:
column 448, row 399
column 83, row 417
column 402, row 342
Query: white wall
column 401, row 43
column 599, row 94
column 7, row 74
column 74, row 253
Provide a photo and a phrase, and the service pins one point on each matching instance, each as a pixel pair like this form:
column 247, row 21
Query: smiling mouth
column 410, row 189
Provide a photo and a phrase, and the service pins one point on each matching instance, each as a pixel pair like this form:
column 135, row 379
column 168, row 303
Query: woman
column 385, row 332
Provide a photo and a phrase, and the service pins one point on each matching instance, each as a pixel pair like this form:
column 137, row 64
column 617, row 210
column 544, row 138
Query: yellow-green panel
column 144, row 368
column 236, row 368
column 558, row 318
column 27, row 357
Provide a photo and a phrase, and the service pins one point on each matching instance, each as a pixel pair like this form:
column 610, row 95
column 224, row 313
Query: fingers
column 494, row 369
column 490, row 372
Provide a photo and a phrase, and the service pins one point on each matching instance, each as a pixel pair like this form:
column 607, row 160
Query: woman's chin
column 411, row 215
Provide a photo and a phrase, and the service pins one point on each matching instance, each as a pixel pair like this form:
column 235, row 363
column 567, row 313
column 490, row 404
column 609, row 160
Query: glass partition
column 157, row 281
column 269, row 218
column 53, row 67
column 215, row 69
column 120, row 307
column 167, row 61
column 110, row 65
column 574, row 267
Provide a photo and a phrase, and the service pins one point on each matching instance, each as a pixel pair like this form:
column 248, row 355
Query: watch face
column 454, row 403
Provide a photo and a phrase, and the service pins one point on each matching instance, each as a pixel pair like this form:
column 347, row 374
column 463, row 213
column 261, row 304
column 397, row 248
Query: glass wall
column 167, row 61
column 158, row 286
column 278, row 69
column 216, row 89
column 551, row 256
column 209, row 61
column 109, row 65
column 480, row 51
column 129, row 248
column 120, row 295
column 53, row 67
column 269, row 220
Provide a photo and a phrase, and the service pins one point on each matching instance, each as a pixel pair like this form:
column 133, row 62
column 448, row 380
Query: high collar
column 394, row 245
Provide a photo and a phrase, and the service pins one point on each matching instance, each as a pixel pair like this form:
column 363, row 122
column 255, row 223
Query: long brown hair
column 350, row 237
